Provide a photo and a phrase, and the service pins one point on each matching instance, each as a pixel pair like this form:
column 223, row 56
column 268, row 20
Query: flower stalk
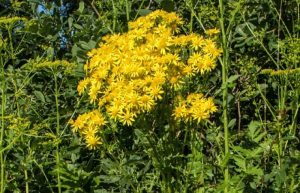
column 56, row 90
column 225, row 63
column 3, row 105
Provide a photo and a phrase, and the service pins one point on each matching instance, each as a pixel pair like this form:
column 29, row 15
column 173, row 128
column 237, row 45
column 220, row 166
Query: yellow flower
column 197, row 42
column 92, row 142
column 211, row 49
column 199, row 114
column 82, row 85
column 180, row 112
column 132, row 99
column 79, row 123
column 195, row 107
column 188, row 71
column 97, row 118
column 146, row 102
column 114, row 111
column 194, row 59
column 213, row 31
column 90, row 131
column 127, row 117
column 156, row 92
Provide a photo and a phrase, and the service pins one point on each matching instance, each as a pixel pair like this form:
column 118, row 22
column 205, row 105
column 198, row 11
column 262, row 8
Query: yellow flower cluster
column 195, row 108
column 89, row 125
column 127, row 74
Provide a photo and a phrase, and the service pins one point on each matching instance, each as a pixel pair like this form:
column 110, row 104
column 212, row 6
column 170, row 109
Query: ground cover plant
column 149, row 96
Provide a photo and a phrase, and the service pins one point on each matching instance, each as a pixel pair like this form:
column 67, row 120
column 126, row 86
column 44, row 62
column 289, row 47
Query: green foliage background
column 259, row 108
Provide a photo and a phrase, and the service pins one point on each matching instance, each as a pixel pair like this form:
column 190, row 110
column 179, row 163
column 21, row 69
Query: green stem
column 10, row 145
column 191, row 20
column 279, row 144
column 43, row 172
column 114, row 15
column 194, row 15
column 3, row 105
column 10, row 43
column 57, row 132
column 225, row 63
column 127, row 10
column 26, row 180
column 139, row 9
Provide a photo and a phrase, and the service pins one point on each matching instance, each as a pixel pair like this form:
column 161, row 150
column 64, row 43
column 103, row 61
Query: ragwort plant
column 130, row 73
column 147, row 71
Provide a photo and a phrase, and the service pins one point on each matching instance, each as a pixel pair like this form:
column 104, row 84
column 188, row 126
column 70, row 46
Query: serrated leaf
column 241, row 162
column 260, row 136
column 225, row 160
column 252, row 128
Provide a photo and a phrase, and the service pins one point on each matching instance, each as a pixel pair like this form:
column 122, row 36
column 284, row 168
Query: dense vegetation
column 150, row 96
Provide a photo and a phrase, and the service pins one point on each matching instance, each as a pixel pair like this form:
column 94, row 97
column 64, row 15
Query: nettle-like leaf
column 255, row 132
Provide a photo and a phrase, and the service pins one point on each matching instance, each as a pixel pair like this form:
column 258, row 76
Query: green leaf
column 87, row 45
column 232, row 78
column 39, row 95
column 77, row 26
column 81, row 7
column 75, row 49
column 231, row 123
column 254, row 131
column 143, row 12
column 70, row 22
column 225, row 160
column 50, row 53
column 91, row 44
column 241, row 162
column 255, row 171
